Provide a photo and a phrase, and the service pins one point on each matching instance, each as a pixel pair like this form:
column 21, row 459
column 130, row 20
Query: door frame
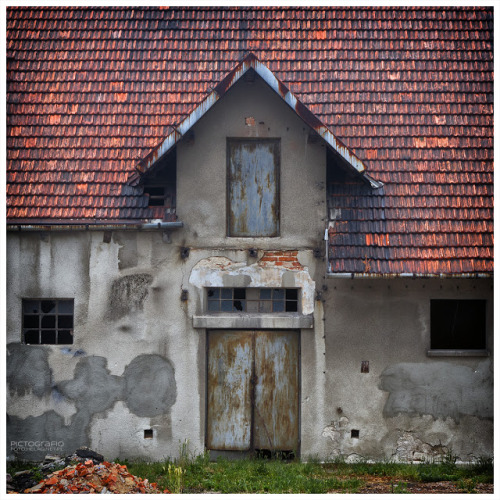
column 251, row 452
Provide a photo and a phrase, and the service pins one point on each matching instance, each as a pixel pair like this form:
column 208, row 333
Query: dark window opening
column 48, row 321
column 159, row 184
column 156, row 195
column 458, row 324
column 256, row 300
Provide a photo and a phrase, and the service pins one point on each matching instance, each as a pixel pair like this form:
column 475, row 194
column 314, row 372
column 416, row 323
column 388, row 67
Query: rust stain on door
column 253, row 187
column 253, row 390
column 276, row 391
column 229, row 377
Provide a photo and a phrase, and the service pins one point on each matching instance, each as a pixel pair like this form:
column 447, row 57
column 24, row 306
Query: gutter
column 407, row 275
column 94, row 226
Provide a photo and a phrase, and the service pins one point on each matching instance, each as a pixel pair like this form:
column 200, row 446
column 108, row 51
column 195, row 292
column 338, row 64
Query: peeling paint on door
column 253, row 390
column 253, row 187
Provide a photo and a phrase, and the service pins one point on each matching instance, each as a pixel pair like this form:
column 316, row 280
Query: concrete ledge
column 285, row 321
column 458, row 353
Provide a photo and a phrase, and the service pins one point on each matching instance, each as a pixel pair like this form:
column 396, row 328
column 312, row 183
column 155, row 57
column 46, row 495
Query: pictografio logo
column 44, row 446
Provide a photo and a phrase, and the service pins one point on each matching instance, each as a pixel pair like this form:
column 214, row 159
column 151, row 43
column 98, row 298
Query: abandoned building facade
column 250, row 229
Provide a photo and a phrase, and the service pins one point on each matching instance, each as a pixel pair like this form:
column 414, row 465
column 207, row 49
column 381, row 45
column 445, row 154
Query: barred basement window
column 458, row 324
column 255, row 300
column 48, row 321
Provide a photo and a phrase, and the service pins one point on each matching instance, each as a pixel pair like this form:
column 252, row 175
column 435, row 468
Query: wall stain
column 128, row 294
column 439, row 389
column 147, row 386
column 28, row 369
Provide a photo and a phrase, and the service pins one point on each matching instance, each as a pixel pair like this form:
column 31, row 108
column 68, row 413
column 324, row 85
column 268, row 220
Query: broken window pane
column 239, row 305
column 48, row 306
column 48, row 321
column 263, row 300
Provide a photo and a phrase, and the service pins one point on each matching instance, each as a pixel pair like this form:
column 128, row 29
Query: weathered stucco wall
column 408, row 405
column 138, row 363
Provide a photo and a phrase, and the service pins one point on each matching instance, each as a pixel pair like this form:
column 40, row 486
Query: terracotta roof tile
column 91, row 91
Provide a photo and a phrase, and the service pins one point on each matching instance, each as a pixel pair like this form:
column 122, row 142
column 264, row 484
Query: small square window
column 458, row 324
column 48, row 321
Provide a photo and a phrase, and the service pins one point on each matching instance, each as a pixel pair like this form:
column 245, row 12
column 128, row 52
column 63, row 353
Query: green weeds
column 191, row 473
column 200, row 474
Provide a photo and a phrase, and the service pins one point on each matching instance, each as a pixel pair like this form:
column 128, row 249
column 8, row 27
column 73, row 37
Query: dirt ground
column 382, row 485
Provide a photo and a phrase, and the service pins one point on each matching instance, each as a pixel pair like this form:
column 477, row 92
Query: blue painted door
column 253, row 187
column 253, row 391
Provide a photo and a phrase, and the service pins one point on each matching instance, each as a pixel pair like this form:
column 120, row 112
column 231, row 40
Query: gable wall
column 202, row 170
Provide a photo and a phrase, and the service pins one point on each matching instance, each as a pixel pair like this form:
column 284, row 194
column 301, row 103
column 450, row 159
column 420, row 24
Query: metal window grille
column 255, row 300
column 48, row 321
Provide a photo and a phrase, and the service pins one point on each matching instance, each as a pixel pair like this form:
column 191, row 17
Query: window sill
column 483, row 353
column 275, row 321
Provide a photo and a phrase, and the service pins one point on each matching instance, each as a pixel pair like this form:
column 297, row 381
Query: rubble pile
column 88, row 475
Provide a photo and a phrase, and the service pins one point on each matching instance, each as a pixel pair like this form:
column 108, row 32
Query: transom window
column 257, row 300
column 48, row 321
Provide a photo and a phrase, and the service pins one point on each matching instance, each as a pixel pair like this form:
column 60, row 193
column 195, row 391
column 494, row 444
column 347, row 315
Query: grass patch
column 199, row 475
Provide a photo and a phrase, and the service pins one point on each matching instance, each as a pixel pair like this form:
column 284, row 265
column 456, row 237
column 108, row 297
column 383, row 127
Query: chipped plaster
column 213, row 272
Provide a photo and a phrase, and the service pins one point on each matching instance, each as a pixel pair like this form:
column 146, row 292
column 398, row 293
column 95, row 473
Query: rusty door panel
column 229, row 402
column 276, row 391
column 253, row 187
column 253, row 390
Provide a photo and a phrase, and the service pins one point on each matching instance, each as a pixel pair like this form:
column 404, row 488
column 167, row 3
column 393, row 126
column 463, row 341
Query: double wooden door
column 253, row 390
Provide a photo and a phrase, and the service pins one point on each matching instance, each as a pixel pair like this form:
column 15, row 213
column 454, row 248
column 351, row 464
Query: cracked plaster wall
column 408, row 406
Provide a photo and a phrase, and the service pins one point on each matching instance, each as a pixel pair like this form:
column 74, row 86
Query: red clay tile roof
column 408, row 90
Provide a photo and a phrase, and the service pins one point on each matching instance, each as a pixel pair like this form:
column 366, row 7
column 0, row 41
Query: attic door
column 253, row 187
column 253, row 391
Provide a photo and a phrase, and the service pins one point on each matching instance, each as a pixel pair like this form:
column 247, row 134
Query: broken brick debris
column 88, row 477
column 88, row 472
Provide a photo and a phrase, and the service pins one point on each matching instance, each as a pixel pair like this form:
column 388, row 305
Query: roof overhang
column 250, row 61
